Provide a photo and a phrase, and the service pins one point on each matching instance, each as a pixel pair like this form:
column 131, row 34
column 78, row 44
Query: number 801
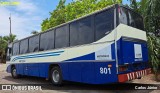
column 105, row 70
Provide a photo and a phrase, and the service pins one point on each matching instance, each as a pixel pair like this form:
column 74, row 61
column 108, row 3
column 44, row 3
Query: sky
column 26, row 16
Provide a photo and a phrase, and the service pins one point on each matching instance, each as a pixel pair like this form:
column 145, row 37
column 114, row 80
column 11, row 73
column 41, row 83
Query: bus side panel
column 75, row 71
column 90, row 56
column 43, row 70
column 64, row 69
column 33, row 69
column 119, row 52
column 88, row 72
column 128, row 52
column 103, row 74
column 20, row 69
column 25, row 68
column 76, row 67
column 79, row 72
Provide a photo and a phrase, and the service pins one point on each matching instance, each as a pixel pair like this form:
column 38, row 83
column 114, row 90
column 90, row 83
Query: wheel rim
column 14, row 72
column 55, row 76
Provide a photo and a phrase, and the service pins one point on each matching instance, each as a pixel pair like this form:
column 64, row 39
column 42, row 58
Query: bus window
column 73, row 33
column 34, row 44
column 47, row 40
column 130, row 18
column 24, row 46
column 16, row 48
column 123, row 16
column 86, row 33
column 104, row 22
column 61, row 37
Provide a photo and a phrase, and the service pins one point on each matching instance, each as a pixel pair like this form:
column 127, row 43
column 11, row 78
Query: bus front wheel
column 14, row 73
column 56, row 76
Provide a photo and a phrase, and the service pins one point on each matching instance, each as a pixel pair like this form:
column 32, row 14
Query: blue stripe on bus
column 38, row 55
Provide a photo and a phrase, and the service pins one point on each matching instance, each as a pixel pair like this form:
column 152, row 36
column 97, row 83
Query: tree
column 78, row 8
column 10, row 38
column 34, row 32
column 3, row 44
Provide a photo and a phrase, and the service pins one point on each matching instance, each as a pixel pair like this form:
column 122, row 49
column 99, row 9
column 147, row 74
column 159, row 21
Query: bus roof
column 97, row 11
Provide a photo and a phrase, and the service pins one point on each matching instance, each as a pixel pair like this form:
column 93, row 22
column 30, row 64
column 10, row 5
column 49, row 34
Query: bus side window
column 81, row 31
column 34, row 44
column 47, row 40
column 62, row 37
column 104, row 23
column 16, row 48
column 24, row 46
column 73, row 33
column 123, row 16
column 86, row 33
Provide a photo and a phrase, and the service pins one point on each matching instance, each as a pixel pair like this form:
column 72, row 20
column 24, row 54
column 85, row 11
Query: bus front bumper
column 133, row 75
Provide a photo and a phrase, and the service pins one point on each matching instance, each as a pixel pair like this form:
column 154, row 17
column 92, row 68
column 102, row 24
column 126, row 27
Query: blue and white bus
column 106, row 46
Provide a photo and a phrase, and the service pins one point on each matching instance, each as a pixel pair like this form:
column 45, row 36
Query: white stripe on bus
column 131, row 75
column 128, row 77
column 146, row 72
column 137, row 74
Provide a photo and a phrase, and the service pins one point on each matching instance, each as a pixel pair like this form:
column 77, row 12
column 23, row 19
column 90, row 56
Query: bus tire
column 14, row 73
column 56, row 76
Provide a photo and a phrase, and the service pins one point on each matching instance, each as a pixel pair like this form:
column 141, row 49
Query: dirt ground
column 70, row 87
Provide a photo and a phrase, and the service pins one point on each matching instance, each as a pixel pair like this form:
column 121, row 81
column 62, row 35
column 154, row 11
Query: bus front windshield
column 130, row 18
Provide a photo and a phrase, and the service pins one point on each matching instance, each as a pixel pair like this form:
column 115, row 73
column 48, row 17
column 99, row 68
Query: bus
column 106, row 46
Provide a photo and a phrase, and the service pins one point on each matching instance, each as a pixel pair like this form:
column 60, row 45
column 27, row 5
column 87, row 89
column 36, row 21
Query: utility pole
column 10, row 30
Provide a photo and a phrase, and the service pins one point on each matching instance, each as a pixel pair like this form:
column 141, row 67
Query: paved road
column 70, row 87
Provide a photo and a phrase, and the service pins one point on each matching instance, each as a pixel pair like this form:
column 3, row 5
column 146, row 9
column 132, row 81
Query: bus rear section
column 132, row 54
column 131, row 47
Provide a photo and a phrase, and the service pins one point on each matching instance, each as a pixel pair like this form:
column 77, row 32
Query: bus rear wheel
column 14, row 73
column 56, row 76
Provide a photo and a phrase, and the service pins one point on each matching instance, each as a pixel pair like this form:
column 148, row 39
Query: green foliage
column 34, row 32
column 9, row 38
column 78, row 8
column 4, row 42
column 154, row 51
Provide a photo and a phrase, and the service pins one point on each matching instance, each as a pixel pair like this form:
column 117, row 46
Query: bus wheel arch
column 14, row 72
column 55, row 74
